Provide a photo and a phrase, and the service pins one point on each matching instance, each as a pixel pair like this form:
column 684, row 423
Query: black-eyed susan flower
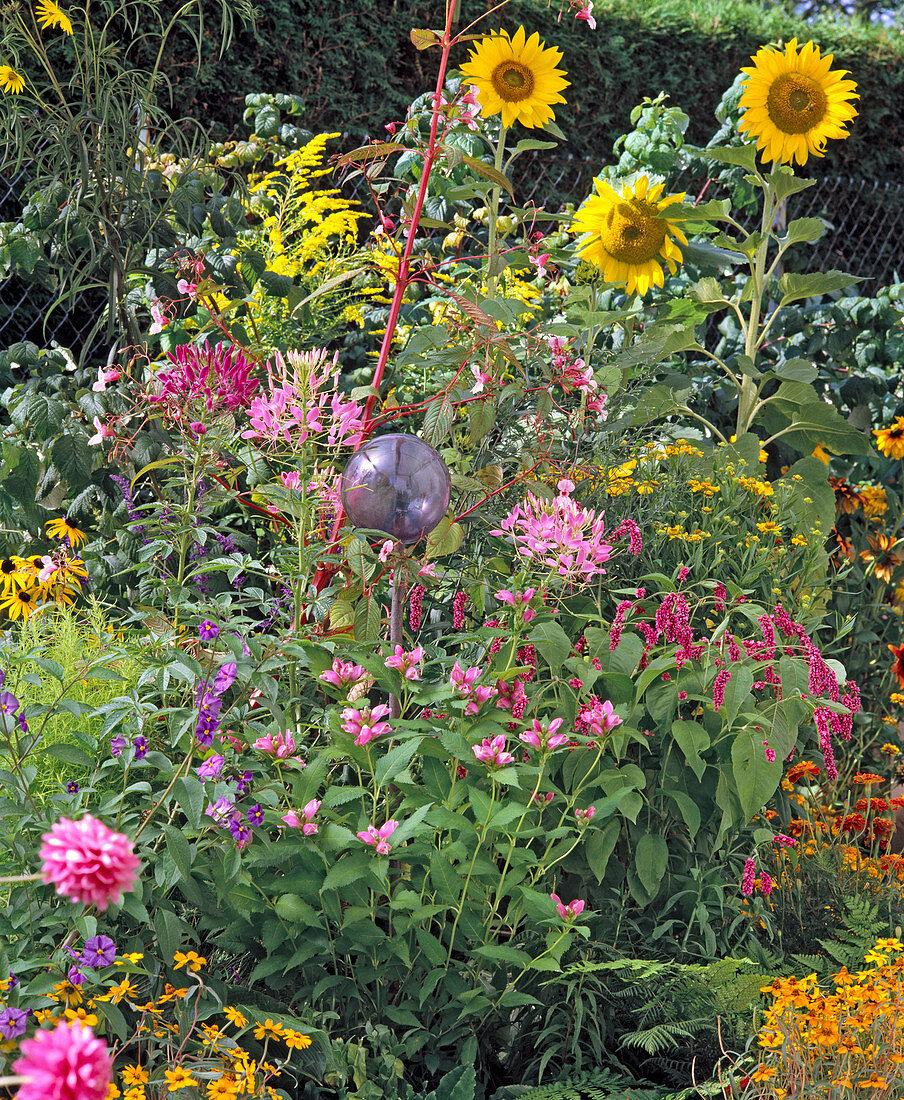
column 14, row 576
column 632, row 235
column 65, row 528
column 884, row 555
column 890, row 441
column 51, row 14
column 516, row 77
column 21, row 604
column 11, row 81
column 794, row 102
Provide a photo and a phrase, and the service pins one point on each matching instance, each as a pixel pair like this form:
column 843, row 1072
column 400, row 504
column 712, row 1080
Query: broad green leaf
column 689, row 810
column 552, row 642
column 651, row 858
column 395, row 761
column 803, row 229
column 189, row 793
column 445, row 538
column 742, row 155
column 785, row 182
column 599, row 845
column 368, row 617
column 755, row 779
column 69, row 754
column 794, row 287
column 179, row 849
column 737, row 693
column 796, row 370
column 692, row 739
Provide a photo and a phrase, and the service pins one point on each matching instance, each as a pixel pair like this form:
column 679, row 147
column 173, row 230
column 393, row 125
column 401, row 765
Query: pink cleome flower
column 220, row 376
column 88, row 862
column 68, row 1063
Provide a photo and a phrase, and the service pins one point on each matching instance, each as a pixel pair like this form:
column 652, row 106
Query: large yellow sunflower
column 794, row 102
column 516, row 77
column 631, row 235
column 50, row 14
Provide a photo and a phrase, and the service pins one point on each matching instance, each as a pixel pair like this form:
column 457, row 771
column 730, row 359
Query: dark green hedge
column 355, row 68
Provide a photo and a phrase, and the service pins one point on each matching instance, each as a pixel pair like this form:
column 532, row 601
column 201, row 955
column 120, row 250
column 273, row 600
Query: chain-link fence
column 864, row 236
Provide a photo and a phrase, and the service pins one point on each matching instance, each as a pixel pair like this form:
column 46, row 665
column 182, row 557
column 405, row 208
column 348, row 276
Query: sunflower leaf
column 794, row 287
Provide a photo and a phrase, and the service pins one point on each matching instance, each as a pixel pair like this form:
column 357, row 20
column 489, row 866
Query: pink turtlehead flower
column 67, row 1063
column 342, row 674
column 596, row 718
column 465, row 686
column 570, row 911
column 492, row 752
column 379, row 838
column 584, row 817
column 104, row 377
column 519, row 600
column 543, row 737
column 88, row 862
column 280, row 747
column 366, row 724
column 306, row 822
column 406, row 663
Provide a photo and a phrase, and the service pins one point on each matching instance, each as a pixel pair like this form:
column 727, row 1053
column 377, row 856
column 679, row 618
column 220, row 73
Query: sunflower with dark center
column 794, row 102
column 632, row 235
column 890, row 441
column 516, row 78
column 65, row 528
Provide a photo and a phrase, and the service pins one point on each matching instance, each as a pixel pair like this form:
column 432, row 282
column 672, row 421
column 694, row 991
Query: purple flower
column 13, row 980
column 207, row 631
column 23, row 725
column 140, row 746
column 99, row 951
column 75, row 975
column 205, row 730
column 220, row 810
column 211, row 768
column 9, row 704
column 117, row 744
column 225, row 678
column 256, row 815
column 240, row 831
column 243, row 784
column 12, row 1023
column 2, row 677
column 72, row 787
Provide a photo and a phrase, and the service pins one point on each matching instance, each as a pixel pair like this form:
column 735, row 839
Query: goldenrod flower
column 631, row 235
column 65, row 528
column 517, row 77
column 10, row 80
column 890, row 441
column 794, row 102
column 52, row 15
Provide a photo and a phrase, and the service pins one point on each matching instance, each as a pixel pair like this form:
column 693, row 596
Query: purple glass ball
column 397, row 484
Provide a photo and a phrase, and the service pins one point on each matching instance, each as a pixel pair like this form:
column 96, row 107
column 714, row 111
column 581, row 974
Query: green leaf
column 692, row 739
column 737, row 693
column 168, row 929
column 821, row 423
column 368, row 617
column 74, row 459
column 445, row 538
column 742, row 155
column 481, row 418
column 349, row 869
column 803, row 229
column 599, row 846
column 651, row 858
column 69, row 754
column 552, row 642
column 277, row 286
column 795, row 287
column 40, row 414
column 292, row 908
column 489, row 172
column 395, row 761
column 755, row 779
column 179, row 849
column 437, row 420
column 796, row 370
column 423, row 39
column 785, row 182
column 446, row 882
column 688, row 809
column 189, row 793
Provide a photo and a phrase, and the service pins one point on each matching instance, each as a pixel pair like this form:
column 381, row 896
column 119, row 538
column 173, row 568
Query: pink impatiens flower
column 570, row 911
column 103, row 377
column 103, row 431
column 492, row 752
column 406, row 663
column 67, row 1063
column 88, row 862
column 379, row 838
column 586, row 14
column 366, row 724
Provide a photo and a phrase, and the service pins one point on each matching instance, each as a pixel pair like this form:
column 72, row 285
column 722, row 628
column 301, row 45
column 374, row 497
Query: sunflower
column 516, row 77
column 52, row 15
column 631, row 235
column 20, row 604
column 65, row 528
column 10, row 80
column 890, row 441
column 793, row 102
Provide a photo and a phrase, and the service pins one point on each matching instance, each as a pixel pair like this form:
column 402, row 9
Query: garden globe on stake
column 397, row 484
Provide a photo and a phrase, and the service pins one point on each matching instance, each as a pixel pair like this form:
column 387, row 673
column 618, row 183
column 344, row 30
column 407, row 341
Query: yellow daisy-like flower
column 794, row 102
column 21, row 604
column 890, row 441
column 134, row 1075
column 178, row 1079
column 297, row 1040
column 14, row 575
column 516, row 77
column 65, row 528
column 192, row 959
column 631, row 236
column 52, row 15
column 11, row 81
column 234, row 1016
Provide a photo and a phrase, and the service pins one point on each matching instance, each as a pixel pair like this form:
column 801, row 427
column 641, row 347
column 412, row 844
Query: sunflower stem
column 494, row 212
column 747, row 393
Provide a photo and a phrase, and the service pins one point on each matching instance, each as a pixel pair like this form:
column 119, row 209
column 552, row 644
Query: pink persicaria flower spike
column 88, row 862
column 342, row 674
column 406, row 663
column 67, row 1063
column 570, row 911
column 366, row 724
column 379, row 838
column 543, row 737
column 492, row 752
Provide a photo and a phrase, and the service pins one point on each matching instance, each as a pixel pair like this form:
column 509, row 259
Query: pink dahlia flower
column 68, row 1063
column 88, row 862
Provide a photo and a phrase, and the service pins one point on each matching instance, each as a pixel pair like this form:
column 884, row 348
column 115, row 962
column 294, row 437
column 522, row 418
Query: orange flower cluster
column 819, row 1042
